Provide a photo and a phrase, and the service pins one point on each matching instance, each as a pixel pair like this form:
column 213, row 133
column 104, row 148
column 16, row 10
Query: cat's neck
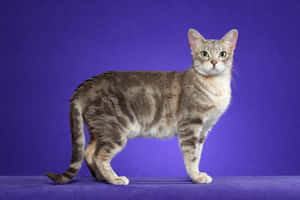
column 216, row 85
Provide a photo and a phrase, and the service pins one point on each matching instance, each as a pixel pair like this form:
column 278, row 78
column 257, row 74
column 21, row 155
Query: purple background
column 48, row 48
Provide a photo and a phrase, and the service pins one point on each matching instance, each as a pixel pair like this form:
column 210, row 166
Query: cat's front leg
column 191, row 139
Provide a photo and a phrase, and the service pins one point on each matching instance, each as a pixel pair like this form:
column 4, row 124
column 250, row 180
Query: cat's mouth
column 212, row 71
column 215, row 72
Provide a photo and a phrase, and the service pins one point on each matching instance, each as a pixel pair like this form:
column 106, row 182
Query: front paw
column 202, row 178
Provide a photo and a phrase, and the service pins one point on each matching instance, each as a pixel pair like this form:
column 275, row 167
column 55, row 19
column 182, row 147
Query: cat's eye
column 204, row 53
column 223, row 54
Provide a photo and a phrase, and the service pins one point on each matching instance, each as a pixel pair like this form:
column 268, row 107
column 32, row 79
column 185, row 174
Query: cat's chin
column 209, row 73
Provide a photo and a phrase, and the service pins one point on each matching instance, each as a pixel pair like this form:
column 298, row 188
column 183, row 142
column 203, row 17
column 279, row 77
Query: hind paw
column 120, row 180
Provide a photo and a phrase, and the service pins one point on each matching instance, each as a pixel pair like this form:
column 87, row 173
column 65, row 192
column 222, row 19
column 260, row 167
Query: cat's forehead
column 212, row 44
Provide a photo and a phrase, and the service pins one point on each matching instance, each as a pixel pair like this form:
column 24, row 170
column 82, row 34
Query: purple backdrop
column 48, row 48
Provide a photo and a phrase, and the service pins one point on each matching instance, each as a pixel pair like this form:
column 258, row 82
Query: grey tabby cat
column 119, row 105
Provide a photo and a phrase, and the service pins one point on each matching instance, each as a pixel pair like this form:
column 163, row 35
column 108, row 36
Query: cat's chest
column 220, row 97
column 222, row 101
column 221, row 104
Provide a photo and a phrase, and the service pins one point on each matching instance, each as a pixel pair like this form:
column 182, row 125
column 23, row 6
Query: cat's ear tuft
column 195, row 39
column 230, row 39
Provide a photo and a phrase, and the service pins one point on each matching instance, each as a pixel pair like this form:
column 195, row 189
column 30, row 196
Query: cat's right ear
column 230, row 39
column 195, row 39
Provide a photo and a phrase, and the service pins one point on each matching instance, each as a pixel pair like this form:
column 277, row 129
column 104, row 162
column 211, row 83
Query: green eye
column 204, row 53
column 223, row 54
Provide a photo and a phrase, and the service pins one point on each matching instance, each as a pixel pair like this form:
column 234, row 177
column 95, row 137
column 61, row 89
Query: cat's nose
column 213, row 62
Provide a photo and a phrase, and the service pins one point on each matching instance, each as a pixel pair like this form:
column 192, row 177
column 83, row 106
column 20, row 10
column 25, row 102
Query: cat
column 119, row 105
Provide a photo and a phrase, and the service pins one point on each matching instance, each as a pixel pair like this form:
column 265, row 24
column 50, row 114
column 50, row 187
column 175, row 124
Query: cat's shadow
column 133, row 181
column 154, row 181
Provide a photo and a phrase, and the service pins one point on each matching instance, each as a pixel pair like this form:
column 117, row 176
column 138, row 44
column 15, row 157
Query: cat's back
column 126, row 80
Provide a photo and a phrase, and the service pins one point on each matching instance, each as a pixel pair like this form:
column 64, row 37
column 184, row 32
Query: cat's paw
column 120, row 180
column 202, row 178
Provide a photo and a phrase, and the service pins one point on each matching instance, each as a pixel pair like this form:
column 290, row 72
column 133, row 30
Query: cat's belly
column 159, row 131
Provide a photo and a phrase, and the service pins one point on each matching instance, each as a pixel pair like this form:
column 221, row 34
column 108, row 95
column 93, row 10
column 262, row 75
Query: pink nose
column 213, row 62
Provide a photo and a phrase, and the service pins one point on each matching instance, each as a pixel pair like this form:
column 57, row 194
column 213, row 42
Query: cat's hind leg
column 109, row 125
column 89, row 153
column 106, row 149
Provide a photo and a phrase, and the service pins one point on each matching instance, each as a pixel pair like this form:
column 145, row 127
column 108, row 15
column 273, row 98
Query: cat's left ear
column 195, row 39
column 230, row 39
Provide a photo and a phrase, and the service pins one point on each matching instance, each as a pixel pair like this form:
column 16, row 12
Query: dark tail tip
column 58, row 178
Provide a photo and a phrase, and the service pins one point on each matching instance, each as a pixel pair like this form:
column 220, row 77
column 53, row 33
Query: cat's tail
column 78, row 142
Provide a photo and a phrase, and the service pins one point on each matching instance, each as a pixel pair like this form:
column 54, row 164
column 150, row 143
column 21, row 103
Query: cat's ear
column 230, row 39
column 195, row 39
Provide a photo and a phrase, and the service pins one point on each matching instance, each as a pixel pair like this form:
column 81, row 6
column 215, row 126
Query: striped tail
column 78, row 142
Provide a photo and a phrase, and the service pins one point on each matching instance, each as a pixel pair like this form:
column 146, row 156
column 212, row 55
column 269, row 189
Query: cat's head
column 212, row 57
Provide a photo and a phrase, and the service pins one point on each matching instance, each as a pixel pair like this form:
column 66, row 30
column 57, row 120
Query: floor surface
column 244, row 188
